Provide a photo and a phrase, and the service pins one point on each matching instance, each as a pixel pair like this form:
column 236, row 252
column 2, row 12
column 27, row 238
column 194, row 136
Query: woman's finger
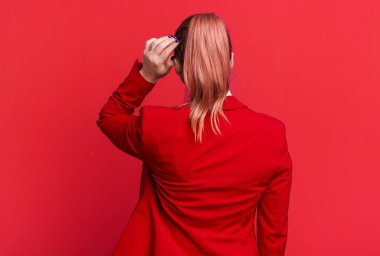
column 165, row 54
column 163, row 45
column 157, row 42
column 148, row 44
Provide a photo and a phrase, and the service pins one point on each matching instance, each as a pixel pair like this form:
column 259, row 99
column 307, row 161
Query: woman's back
column 201, row 198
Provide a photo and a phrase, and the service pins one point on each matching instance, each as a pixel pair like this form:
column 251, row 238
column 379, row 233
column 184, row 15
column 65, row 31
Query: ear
column 232, row 60
column 176, row 66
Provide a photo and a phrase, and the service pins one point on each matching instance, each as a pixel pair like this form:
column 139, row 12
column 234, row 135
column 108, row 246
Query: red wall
column 66, row 190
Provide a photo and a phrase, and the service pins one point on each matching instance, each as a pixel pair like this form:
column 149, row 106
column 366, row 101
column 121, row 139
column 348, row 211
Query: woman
column 203, row 181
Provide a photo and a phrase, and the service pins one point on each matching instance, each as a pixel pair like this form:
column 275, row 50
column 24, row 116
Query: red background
column 66, row 190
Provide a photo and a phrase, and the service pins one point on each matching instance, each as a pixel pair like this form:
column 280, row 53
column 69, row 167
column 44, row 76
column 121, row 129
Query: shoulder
column 269, row 121
column 160, row 123
column 146, row 109
column 276, row 136
column 161, row 117
column 273, row 127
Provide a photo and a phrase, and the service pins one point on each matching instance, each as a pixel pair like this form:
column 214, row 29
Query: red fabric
column 201, row 199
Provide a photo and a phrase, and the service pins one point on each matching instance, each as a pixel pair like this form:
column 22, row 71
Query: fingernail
column 172, row 57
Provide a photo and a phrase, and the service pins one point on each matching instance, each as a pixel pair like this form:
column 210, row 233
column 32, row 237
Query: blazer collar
column 230, row 102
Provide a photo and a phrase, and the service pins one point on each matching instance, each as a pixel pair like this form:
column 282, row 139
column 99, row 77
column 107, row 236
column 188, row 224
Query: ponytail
column 205, row 60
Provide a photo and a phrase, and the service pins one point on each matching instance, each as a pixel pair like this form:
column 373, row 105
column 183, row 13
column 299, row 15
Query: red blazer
column 201, row 199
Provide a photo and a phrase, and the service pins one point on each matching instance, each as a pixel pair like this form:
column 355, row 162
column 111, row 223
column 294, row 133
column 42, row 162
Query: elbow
column 99, row 124
column 99, row 121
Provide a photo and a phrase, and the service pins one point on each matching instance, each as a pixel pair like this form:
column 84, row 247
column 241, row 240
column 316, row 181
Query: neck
column 229, row 93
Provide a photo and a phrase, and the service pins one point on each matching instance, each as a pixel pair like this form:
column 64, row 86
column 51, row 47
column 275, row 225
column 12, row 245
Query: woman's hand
column 156, row 62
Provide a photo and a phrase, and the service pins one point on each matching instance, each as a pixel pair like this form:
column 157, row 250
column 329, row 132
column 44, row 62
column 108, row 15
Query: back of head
column 204, row 57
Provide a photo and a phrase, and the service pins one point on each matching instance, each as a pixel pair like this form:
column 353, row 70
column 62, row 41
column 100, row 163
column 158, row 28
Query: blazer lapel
column 231, row 102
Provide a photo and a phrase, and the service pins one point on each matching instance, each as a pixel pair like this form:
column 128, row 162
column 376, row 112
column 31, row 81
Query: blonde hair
column 204, row 54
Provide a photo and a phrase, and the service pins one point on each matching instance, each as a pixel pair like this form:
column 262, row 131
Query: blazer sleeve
column 116, row 118
column 272, row 208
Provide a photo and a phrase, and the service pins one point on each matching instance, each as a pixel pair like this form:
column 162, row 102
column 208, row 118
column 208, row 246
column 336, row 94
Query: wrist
column 147, row 77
